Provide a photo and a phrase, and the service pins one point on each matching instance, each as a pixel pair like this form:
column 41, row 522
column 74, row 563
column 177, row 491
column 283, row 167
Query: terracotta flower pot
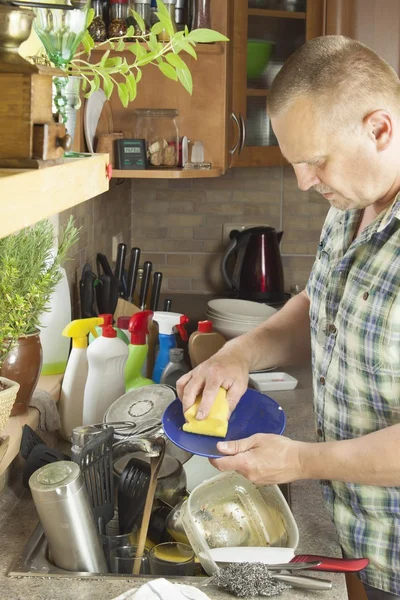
column 23, row 364
column 8, row 393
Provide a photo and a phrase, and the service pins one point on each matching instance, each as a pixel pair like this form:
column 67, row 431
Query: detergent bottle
column 70, row 405
column 167, row 321
column 105, row 383
column 138, row 348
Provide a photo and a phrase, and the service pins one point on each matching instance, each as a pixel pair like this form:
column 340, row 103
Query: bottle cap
column 123, row 322
column 176, row 355
column 109, row 331
column 139, row 327
column 205, row 326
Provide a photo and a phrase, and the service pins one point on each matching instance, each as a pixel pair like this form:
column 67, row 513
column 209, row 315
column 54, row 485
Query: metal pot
column 171, row 480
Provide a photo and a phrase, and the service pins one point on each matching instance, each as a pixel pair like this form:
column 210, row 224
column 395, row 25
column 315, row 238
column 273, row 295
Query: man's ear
column 379, row 126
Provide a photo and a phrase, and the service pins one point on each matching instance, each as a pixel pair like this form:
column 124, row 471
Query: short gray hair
column 336, row 72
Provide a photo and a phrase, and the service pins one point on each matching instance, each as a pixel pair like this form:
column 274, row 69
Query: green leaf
column 104, row 58
column 85, row 84
column 139, row 20
column 145, row 60
column 96, row 81
column 123, row 94
column 130, row 32
column 90, row 17
column 186, row 47
column 108, row 85
column 161, row 9
column 131, row 85
column 167, row 24
column 157, row 28
column 185, row 77
column 137, row 49
column 186, row 30
column 168, row 71
column 153, row 43
column 138, row 75
column 93, row 87
column 120, row 45
column 206, row 36
column 111, row 63
column 124, row 68
column 88, row 42
column 175, row 60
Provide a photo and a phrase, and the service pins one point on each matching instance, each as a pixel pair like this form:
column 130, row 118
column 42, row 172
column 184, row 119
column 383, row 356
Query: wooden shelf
column 28, row 195
column 278, row 14
column 166, row 174
column 216, row 48
column 256, row 92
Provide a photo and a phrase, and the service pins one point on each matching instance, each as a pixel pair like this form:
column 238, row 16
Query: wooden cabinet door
column 252, row 141
column 375, row 23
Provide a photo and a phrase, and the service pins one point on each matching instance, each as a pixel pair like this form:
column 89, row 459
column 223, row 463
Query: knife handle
column 167, row 305
column 119, row 264
column 334, row 565
column 155, row 292
column 147, row 268
column 133, row 272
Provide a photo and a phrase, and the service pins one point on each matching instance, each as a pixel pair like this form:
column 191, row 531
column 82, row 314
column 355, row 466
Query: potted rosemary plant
column 29, row 274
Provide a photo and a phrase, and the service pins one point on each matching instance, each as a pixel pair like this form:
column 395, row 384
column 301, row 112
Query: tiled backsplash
column 178, row 224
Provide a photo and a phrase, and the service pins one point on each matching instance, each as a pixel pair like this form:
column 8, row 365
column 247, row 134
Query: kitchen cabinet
column 375, row 23
column 202, row 116
column 252, row 140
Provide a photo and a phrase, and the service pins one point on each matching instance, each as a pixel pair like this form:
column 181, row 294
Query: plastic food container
column 158, row 127
column 228, row 510
column 272, row 382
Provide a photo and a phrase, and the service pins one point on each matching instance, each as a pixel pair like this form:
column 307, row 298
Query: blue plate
column 255, row 413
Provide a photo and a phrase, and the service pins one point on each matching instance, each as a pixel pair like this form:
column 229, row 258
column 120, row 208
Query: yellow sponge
column 216, row 424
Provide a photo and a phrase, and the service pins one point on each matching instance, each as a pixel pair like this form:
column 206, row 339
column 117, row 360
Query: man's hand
column 224, row 369
column 262, row 458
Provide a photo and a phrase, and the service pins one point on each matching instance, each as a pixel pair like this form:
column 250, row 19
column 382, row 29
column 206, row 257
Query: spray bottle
column 138, row 348
column 166, row 323
column 105, row 383
column 70, row 405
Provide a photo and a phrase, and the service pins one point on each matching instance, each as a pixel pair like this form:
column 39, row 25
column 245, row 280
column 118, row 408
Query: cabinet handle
column 236, row 146
column 243, row 126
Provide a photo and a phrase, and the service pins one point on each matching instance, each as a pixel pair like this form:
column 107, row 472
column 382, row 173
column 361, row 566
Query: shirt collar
column 393, row 212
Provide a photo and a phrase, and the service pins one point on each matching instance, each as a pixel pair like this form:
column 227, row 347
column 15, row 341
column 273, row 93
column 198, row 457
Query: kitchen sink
column 34, row 561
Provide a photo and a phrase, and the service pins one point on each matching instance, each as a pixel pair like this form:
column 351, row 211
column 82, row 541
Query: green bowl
column 258, row 55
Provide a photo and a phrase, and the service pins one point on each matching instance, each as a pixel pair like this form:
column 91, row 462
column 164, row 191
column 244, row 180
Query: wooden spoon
column 155, row 464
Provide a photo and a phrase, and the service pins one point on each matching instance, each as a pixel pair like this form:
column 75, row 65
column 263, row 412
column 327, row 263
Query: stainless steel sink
column 34, row 561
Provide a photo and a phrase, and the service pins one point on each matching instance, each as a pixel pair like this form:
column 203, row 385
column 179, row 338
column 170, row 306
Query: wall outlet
column 116, row 239
column 228, row 227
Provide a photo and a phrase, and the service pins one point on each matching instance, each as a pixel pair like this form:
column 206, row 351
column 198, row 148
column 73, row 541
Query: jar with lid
column 142, row 7
column 118, row 15
column 158, row 127
column 164, row 35
column 97, row 28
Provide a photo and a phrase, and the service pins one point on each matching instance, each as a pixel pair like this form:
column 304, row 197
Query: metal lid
column 169, row 466
column 56, row 481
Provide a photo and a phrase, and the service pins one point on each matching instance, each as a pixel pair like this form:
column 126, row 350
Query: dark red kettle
column 252, row 265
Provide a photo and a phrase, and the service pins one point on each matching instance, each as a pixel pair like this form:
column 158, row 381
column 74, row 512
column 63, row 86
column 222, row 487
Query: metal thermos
column 60, row 497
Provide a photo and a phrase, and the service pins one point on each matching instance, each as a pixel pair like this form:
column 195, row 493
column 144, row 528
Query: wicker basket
column 7, row 399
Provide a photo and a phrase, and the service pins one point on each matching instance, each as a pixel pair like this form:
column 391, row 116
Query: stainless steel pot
column 171, row 480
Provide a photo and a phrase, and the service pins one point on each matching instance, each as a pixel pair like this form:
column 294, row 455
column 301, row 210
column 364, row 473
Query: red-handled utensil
column 333, row 565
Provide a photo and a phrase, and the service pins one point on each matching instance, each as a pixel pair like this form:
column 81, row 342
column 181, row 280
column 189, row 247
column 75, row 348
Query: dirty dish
column 255, row 413
column 229, row 511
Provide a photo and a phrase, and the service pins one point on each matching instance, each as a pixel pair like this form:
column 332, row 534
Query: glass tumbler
column 113, row 542
column 172, row 559
column 123, row 558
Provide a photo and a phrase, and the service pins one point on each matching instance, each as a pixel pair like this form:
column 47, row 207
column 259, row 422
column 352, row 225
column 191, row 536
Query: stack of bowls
column 232, row 317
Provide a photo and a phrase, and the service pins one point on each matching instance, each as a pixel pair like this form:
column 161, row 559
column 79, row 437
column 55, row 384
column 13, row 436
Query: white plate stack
column 233, row 317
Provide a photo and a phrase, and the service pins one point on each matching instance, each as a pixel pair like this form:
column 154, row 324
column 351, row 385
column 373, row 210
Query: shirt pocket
column 367, row 336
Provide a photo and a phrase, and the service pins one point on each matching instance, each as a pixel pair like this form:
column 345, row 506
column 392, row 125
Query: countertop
column 317, row 536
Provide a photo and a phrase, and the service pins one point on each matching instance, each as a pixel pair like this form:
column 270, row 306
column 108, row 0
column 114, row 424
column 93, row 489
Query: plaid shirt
column 354, row 290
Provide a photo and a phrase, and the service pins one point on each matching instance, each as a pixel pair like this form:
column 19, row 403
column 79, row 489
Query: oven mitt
column 216, row 424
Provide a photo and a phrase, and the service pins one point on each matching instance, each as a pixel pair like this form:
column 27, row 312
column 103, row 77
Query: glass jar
column 142, row 7
column 158, row 127
column 164, row 36
column 118, row 15
column 97, row 27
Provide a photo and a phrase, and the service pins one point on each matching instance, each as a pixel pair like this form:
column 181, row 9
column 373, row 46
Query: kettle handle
column 224, row 262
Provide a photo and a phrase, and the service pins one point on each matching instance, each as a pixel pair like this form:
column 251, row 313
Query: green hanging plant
column 144, row 50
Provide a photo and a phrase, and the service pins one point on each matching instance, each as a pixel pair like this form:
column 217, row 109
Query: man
column 335, row 109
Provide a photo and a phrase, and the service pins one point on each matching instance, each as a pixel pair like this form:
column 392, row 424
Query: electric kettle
column 252, row 265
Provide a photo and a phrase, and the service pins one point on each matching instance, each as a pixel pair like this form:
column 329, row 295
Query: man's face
column 342, row 165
